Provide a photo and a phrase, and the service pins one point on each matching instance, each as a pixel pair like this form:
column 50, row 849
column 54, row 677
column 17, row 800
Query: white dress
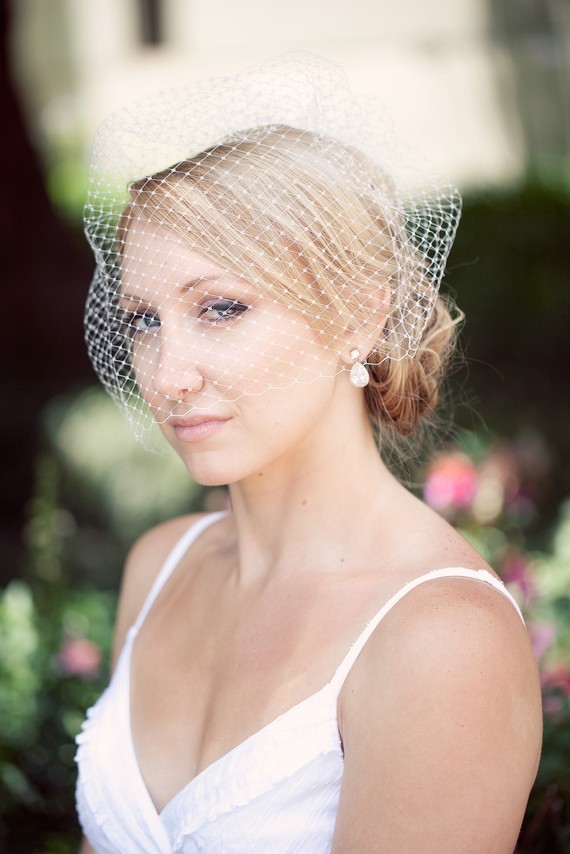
column 276, row 792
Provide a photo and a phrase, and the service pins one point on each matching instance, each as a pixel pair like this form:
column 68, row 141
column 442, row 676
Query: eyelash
column 132, row 317
column 227, row 309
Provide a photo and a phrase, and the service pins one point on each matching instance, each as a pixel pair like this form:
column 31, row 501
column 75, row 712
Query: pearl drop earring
column 359, row 376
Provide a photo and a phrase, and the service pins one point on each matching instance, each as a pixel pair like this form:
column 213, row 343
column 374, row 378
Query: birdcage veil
column 249, row 233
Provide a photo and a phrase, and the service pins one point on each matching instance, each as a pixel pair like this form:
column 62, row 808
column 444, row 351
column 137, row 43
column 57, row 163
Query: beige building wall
column 430, row 61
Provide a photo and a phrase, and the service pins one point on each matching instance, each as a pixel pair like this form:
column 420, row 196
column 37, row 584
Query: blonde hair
column 276, row 199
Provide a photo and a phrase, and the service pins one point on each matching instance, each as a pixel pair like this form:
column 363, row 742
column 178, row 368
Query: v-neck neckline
column 212, row 767
column 332, row 687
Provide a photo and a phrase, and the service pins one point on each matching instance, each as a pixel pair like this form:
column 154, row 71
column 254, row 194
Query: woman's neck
column 302, row 512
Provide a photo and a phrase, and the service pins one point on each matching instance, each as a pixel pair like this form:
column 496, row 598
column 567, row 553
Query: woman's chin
column 205, row 480
column 208, row 474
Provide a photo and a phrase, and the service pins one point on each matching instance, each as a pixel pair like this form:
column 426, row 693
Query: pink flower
column 451, row 482
column 79, row 657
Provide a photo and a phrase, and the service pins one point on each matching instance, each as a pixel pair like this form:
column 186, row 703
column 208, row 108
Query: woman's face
column 235, row 379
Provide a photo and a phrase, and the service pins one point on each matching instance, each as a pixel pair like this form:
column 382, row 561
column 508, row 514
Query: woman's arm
column 441, row 724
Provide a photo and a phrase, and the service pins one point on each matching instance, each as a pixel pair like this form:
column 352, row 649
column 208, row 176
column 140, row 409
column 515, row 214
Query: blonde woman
column 327, row 666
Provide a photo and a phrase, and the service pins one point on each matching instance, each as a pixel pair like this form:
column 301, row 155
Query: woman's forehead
column 154, row 253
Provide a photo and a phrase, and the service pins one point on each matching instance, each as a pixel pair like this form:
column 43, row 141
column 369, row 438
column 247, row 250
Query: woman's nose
column 178, row 372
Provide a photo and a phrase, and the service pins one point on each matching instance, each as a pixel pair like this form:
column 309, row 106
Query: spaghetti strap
column 177, row 552
column 453, row 572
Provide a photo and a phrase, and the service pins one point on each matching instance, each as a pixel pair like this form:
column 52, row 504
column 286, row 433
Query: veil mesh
column 249, row 232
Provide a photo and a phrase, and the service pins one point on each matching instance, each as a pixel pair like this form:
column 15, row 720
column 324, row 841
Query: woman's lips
column 195, row 428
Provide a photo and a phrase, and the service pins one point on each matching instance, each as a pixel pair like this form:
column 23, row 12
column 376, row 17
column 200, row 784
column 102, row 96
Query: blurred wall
column 435, row 64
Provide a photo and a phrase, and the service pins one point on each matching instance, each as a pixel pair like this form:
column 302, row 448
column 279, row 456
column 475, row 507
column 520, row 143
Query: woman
column 328, row 666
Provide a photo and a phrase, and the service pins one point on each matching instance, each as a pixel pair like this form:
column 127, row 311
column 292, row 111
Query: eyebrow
column 216, row 278
column 191, row 283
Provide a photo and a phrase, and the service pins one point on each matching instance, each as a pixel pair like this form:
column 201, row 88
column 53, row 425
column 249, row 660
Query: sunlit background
column 482, row 89
column 481, row 85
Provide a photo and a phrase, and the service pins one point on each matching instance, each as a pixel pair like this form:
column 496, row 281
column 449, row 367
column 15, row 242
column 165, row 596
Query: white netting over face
column 251, row 233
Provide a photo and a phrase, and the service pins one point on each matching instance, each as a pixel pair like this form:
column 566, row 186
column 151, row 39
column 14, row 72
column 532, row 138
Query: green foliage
column 96, row 491
column 111, row 489
column 67, row 185
column 19, row 679
column 547, row 821
column 508, row 270
column 54, row 641
column 488, row 489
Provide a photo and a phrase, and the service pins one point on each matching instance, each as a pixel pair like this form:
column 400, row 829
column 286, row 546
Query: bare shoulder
column 445, row 621
column 440, row 710
column 446, row 627
column 143, row 563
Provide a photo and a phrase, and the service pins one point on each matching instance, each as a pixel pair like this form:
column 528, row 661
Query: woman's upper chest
column 208, row 672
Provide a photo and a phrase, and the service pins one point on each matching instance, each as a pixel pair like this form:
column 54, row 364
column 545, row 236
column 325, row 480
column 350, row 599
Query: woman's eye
column 143, row 321
column 222, row 310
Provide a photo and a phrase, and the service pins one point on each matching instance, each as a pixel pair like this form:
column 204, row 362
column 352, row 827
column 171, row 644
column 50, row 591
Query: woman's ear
column 364, row 330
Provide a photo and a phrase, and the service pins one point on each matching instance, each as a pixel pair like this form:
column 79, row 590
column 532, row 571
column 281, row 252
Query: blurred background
column 482, row 88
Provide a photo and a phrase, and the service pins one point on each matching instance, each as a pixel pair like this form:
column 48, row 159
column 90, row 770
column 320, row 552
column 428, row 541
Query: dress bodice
column 275, row 793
